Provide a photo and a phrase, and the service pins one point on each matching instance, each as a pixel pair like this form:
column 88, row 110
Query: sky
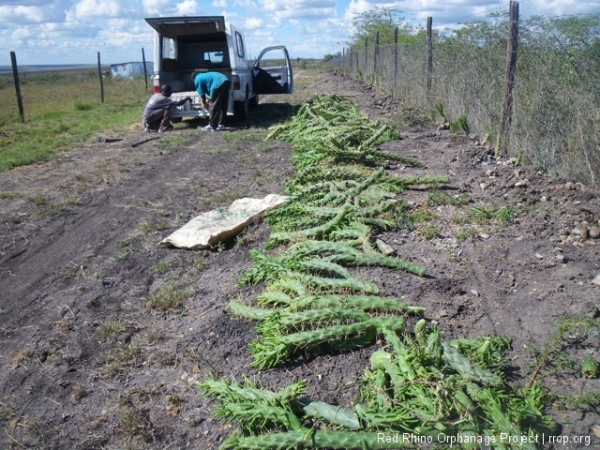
column 74, row 31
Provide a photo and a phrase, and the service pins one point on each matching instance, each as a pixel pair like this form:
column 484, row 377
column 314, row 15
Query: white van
column 185, row 44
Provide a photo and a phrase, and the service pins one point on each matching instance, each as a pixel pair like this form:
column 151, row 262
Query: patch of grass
column 481, row 215
column 151, row 228
column 466, row 233
column 168, row 297
column 45, row 209
column 552, row 358
column 118, row 359
column 588, row 401
column 61, row 116
column 37, row 200
column 248, row 134
column 437, row 197
column 484, row 215
column 124, row 250
column 165, row 358
column 505, row 215
column 422, row 215
column 224, row 197
column 247, row 236
column 135, row 422
column 264, row 147
column 82, row 106
column 161, row 267
column 250, row 159
column 214, row 149
column 173, row 140
column 429, row 232
column 153, row 336
column 198, row 264
column 9, row 195
column 112, row 328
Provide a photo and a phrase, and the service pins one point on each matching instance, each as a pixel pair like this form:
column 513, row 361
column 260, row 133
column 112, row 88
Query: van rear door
column 273, row 72
column 186, row 26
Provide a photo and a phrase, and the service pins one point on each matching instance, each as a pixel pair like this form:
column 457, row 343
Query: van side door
column 272, row 72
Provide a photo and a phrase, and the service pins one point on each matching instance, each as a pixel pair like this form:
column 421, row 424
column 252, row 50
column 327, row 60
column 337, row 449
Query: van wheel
column 242, row 109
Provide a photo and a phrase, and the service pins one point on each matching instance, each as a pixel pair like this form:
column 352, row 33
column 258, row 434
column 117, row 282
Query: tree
column 383, row 20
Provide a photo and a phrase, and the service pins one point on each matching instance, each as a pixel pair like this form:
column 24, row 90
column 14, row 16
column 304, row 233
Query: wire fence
column 43, row 91
column 555, row 121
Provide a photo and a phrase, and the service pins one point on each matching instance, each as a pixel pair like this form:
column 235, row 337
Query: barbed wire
column 486, row 13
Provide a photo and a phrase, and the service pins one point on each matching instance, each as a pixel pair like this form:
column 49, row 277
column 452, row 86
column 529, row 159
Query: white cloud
column 155, row 7
column 21, row 14
column 260, row 39
column 96, row 8
column 22, row 33
column 187, row 8
column 300, row 9
column 252, row 23
column 33, row 12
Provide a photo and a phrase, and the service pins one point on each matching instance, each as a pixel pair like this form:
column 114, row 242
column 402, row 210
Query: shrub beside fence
column 556, row 98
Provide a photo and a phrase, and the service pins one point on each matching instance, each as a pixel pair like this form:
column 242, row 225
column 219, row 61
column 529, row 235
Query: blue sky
column 74, row 31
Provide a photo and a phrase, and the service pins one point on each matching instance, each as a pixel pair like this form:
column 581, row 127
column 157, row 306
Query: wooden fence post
column 101, row 79
column 395, row 58
column 376, row 59
column 429, row 54
column 366, row 55
column 145, row 71
column 15, row 70
column 509, row 80
column 350, row 57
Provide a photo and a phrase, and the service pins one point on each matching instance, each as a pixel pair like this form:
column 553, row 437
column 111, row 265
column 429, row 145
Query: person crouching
column 157, row 114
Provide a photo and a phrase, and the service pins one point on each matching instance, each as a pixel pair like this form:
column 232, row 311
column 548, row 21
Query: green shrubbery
column 556, row 120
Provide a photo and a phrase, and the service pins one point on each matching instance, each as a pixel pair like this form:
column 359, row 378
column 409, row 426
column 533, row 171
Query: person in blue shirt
column 213, row 88
column 157, row 113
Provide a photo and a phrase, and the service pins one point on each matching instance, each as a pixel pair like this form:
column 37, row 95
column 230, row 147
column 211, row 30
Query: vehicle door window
column 240, row 45
column 169, row 54
column 214, row 57
column 169, row 47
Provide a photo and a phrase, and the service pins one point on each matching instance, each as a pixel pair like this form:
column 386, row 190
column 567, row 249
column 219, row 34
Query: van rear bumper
column 195, row 109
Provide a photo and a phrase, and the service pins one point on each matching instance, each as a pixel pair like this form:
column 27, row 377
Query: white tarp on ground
column 221, row 224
